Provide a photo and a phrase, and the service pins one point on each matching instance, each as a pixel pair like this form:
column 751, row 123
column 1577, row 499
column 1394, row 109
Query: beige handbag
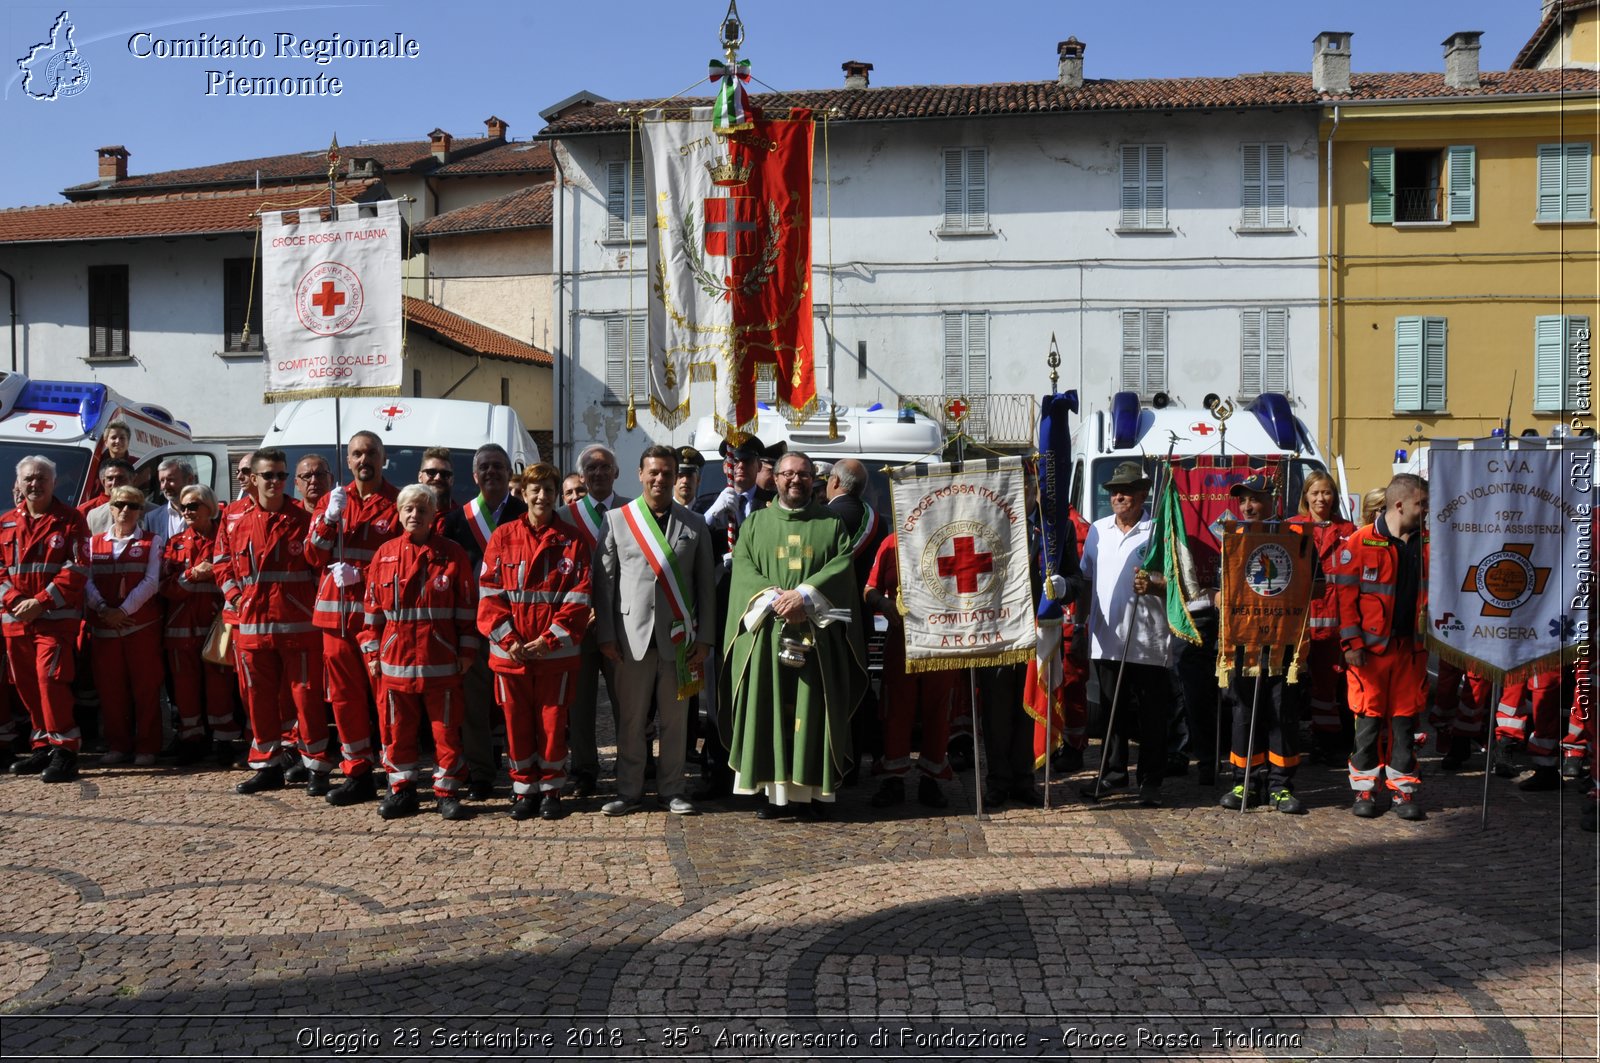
column 219, row 643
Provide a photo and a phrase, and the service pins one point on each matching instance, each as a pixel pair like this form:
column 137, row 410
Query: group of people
column 368, row 610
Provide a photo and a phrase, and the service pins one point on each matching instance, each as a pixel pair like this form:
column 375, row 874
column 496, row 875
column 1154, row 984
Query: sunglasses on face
column 190, row 507
column 123, row 505
column 443, row 473
column 273, row 476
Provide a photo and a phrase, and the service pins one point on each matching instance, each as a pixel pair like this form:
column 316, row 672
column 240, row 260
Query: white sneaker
column 144, row 760
column 681, row 806
column 621, row 807
column 113, row 756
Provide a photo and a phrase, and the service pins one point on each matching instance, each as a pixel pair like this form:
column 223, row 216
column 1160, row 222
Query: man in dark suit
column 470, row 527
column 655, row 612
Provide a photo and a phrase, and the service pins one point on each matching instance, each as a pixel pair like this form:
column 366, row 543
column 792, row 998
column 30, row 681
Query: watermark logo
column 54, row 69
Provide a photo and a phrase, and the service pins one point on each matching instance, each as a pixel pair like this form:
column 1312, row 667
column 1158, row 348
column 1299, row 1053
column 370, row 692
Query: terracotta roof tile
column 526, row 208
column 514, row 157
column 176, row 214
column 461, row 332
column 1153, row 94
column 298, row 167
column 1539, row 43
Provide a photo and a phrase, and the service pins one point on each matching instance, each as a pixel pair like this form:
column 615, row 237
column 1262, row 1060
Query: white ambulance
column 407, row 427
column 1264, row 427
column 65, row 421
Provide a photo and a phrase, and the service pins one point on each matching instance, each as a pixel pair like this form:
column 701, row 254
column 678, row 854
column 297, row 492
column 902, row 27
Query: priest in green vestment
column 792, row 601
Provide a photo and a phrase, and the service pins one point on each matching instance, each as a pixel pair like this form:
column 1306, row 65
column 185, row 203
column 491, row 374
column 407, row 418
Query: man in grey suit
column 597, row 464
column 655, row 605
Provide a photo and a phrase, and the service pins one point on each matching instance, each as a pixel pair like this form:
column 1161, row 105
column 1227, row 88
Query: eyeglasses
column 273, row 476
column 443, row 473
column 242, row 471
column 123, row 505
column 307, row 477
column 190, row 507
column 793, row 474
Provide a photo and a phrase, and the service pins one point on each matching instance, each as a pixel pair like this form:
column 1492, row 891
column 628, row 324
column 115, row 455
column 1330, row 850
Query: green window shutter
column 1576, row 179
column 1408, row 363
column 1433, row 363
column 1249, row 353
column 1380, row 185
column 1462, row 175
column 1549, row 363
column 1550, row 182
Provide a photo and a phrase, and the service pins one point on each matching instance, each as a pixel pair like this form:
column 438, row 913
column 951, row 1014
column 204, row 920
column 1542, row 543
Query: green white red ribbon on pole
column 731, row 109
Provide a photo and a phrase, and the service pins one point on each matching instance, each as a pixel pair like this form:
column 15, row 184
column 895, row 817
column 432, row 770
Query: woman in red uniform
column 534, row 607
column 202, row 691
column 1319, row 516
column 124, row 615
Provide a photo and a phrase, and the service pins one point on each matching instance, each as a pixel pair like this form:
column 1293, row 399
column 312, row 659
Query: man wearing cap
column 686, row 488
column 1128, row 636
column 597, row 464
column 1277, row 726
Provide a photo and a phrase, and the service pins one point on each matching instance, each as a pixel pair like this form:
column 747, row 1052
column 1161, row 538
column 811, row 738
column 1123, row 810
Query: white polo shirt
column 1109, row 557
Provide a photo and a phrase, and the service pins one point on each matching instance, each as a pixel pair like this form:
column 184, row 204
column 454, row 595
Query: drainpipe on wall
column 11, row 282
column 1327, row 395
column 559, row 236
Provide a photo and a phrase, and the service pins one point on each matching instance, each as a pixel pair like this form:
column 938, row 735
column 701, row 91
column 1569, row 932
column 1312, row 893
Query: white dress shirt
column 1110, row 556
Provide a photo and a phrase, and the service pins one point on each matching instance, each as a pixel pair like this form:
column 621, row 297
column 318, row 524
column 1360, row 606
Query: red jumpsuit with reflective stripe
column 44, row 558
column 203, row 691
column 261, row 567
column 366, row 524
column 1327, row 682
column 420, row 625
column 535, row 584
column 126, row 662
column 1391, row 684
column 909, row 696
column 1542, row 692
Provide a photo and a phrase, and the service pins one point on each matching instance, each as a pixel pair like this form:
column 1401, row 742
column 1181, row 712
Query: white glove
column 1055, row 588
column 336, row 503
column 344, row 574
column 727, row 504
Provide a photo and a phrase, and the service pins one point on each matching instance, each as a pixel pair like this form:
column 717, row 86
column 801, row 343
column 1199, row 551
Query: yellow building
column 1462, row 249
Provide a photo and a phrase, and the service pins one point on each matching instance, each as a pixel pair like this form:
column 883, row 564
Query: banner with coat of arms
column 1267, row 583
column 962, row 547
column 331, row 310
column 730, row 265
column 1511, row 567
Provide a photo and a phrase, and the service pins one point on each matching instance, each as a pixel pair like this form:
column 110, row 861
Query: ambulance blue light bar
column 1272, row 410
column 1124, row 419
column 57, row 396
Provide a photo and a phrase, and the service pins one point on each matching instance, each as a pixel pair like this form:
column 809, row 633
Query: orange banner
column 1267, row 581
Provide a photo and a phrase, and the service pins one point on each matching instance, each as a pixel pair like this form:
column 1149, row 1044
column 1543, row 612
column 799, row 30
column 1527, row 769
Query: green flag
column 1169, row 555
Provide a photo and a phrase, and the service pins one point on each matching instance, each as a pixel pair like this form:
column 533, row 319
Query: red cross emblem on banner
column 955, row 410
column 42, row 425
column 1201, row 428
column 965, row 564
column 730, row 226
column 329, row 299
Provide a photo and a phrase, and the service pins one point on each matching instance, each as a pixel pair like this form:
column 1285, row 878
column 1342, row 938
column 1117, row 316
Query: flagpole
column 1250, row 740
column 1495, row 693
column 338, row 434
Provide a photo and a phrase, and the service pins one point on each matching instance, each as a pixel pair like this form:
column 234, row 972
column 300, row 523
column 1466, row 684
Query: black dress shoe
column 1150, row 795
column 318, row 784
column 768, row 810
column 929, row 794
column 267, row 778
column 397, row 804
column 583, row 784
column 480, row 790
column 451, row 808
column 63, row 766
column 32, row 764
column 550, row 806
column 818, row 810
column 296, row 774
column 891, row 792
column 523, row 807
column 354, row 790
column 1067, row 760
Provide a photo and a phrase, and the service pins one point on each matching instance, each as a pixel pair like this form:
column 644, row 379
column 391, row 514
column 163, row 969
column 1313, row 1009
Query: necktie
column 600, row 508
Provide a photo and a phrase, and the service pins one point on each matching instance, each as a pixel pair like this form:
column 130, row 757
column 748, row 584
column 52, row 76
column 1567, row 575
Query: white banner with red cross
column 962, row 547
column 331, row 308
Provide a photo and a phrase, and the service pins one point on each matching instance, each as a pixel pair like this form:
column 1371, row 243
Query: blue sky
column 483, row 57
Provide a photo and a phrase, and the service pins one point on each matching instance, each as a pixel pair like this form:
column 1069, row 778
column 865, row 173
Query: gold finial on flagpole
column 732, row 32
column 333, row 172
column 1053, row 360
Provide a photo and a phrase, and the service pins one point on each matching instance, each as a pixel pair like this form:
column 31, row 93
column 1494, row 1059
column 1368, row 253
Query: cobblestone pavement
column 154, row 913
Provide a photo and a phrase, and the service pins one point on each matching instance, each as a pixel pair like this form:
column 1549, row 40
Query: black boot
column 451, row 808
column 267, row 778
column 318, row 784
column 1505, row 758
column 1544, row 777
column 1456, row 754
column 399, row 803
column 33, row 763
column 354, row 790
column 63, row 766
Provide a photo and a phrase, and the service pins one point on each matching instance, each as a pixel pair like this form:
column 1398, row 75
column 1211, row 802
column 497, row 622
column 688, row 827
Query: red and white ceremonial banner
column 331, row 310
column 962, row 547
column 1511, row 568
column 730, row 265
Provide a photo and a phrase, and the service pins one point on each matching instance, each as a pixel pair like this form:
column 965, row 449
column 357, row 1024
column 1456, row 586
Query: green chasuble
column 788, row 734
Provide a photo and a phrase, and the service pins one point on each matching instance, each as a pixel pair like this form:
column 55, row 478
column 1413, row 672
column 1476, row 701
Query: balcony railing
column 1007, row 419
column 1416, row 204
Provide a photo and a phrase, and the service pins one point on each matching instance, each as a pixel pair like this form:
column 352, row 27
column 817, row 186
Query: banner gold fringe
column 797, row 417
column 668, row 416
column 1291, row 672
column 331, row 393
column 1468, row 663
column 993, row 660
column 702, row 372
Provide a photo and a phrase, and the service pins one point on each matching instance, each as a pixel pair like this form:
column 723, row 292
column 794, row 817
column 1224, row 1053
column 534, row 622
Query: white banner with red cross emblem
column 962, row 547
column 1511, row 575
column 331, row 309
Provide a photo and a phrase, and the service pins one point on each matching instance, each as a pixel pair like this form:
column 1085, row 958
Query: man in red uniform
column 1381, row 575
column 419, row 638
column 44, row 553
column 348, row 527
column 270, row 587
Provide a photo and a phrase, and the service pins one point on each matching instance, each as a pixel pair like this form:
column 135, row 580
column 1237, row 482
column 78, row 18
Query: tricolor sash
column 587, row 519
column 481, row 520
column 664, row 563
column 869, row 523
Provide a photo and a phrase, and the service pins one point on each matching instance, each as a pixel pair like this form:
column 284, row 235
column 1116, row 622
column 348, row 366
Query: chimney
column 1070, row 52
column 1461, row 59
column 113, row 163
column 494, row 128
column 1330, row 66
column 439, row 142
column 856, row 73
